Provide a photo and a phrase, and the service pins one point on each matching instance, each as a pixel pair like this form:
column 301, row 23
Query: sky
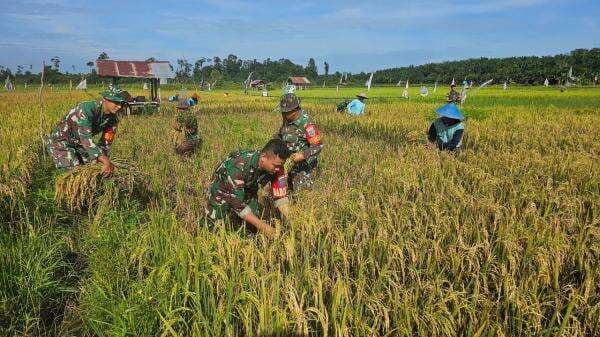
column 351, row 35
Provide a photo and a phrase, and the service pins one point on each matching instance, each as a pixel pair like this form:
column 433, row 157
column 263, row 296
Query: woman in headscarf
column 447, row 130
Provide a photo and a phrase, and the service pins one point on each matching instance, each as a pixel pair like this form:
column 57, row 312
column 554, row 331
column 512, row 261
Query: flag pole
column 40, row 100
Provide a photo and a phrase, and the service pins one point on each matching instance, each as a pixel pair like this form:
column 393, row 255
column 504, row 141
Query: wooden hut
column 299, row 82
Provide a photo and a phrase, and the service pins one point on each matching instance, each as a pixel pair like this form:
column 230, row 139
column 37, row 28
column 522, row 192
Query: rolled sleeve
column 281, row 202
column 244, row 212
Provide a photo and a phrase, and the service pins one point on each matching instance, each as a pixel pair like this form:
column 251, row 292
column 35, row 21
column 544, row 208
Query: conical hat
column 450, row 110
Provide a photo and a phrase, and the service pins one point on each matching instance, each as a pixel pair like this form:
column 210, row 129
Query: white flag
column 8, row 84
column 145, row 87
column 435, row 87
column 505, row 86
column 82, row 85
column 398, row 84
column 484, row 83
column 546, row 82
column 405, row 92
column 571, row 74
column 453, row 82
column 248, row 80
column 368, row 83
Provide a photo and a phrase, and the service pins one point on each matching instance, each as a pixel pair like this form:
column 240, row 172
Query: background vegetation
column 232, row 69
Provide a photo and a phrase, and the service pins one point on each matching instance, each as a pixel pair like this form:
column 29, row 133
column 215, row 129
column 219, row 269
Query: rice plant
column 395, row 239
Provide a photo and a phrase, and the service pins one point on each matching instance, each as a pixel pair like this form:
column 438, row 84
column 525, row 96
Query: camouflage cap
column 289, row 102
column 116, row 94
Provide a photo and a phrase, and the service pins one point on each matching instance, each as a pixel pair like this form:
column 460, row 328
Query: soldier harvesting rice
column 234, row 186
column 71, row 143
column 303, row 138
column 186, row 126
column 453, row 96
column 447, row 130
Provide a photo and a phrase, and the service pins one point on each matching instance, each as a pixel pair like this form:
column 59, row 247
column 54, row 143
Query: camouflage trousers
column 66, row 156
column 301, row 176
column 187, row 147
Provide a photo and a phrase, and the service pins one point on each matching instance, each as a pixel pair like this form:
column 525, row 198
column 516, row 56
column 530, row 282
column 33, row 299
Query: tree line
column 231, row 69
column 523, row 70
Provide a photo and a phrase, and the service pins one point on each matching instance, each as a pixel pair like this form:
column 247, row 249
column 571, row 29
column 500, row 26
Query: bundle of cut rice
column 81, row 187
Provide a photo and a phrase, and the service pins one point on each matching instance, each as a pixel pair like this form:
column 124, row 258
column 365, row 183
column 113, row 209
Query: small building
column 156, row 71
column 299, row 82
column 257, row 84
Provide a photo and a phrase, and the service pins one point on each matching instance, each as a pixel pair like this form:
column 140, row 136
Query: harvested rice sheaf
column 82, row 187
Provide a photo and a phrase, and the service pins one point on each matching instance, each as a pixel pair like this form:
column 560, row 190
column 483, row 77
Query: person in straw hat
column 447, row 130
column 357, row 106
column 71, row 142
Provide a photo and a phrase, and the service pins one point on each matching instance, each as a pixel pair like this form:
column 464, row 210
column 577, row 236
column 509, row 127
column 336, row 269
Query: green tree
column 311, row 68
column 184, row 68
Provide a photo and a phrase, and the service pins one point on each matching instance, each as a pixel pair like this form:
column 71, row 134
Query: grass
column 395, row 239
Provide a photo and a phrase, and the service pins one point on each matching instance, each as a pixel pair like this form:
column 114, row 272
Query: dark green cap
column 289, row 102
column 116, row 94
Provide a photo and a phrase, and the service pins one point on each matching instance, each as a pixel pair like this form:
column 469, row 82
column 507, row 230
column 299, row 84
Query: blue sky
column 351, row 35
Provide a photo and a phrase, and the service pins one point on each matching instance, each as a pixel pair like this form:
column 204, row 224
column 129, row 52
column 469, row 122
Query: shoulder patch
column 313, row 136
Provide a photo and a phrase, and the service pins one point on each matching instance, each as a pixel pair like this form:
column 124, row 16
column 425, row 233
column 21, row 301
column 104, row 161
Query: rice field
column 396, row 239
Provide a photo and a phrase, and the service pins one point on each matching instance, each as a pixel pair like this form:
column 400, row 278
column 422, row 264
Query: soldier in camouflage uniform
column 235, row 183
column 303, row 139
column 187, row 124
column 453, row 96
column 70, row 144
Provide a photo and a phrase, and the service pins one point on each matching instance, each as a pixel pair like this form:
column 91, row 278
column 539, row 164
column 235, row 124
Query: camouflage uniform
column 235, row 183
column 70, row 142
column 453, row 96
column 303, row 136
column 188, row 125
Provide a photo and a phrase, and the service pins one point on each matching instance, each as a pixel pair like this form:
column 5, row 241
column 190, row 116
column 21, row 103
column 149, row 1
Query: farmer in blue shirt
column 447, row 130
column 357, row 106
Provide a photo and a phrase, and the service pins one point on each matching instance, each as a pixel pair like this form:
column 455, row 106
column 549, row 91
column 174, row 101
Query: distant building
column 257, row 84
column 299, row 82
